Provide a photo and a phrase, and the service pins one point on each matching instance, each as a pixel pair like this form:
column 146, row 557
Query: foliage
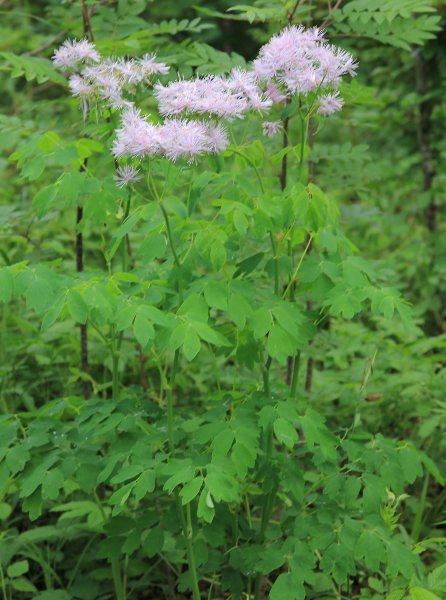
column 255, row 405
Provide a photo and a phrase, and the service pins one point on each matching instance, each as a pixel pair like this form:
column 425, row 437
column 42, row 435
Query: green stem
column 115, row 375
column 276, row 263
column 253, row 165
column 191, row 555
column 265, row 373
column 299, row 264
column 304, row 136
column 169, row 397
column 126, row 237
column 174, row 253
column 186, row 521
column 2, row 575
column 117, row 580
column 295, row 378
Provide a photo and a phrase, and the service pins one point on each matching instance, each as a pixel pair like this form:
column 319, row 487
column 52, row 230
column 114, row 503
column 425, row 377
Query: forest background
column 75, row 384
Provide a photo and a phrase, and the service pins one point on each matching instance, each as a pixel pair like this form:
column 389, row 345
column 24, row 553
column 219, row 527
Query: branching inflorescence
column 295, row 62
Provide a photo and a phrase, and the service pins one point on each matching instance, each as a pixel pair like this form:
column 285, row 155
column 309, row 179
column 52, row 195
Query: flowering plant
column 208, row 256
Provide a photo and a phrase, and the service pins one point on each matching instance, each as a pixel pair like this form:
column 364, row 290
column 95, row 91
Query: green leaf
column 191, row 344
column 418, row 593
column 205, row 509
column 316, row 433
column 52, row 482
column 248, row 265
column 239, row 310
column 280, row 345
column 178, row 336
column 218, row 255
column 145, row 484
column 208, row 334
column 143, row 329
column 154, row 542
column 222, row 486
column 261, row 322
column 285, row 432
column 191, row 490
column 18, row 568
column 53, row 312
column 284, row 588
column 371, row 549
column 153, row 247
column 77, row 306
column 21, row 584
column 16, row 458
column 222, row 442
column 43, row 200
column 216, row 295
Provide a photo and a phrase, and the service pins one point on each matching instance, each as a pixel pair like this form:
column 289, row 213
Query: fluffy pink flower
column 136, row 137
column 271, row 128
column 330, row 103
column 83, row 90
column 71, row 53
column 175, row 138
column 302, row 61
column 274, row 93
column 125, row 175
column 149, row 66
column 217, row 137
column 226, row 97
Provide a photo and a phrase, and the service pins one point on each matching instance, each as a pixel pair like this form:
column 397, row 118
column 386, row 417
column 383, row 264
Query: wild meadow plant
column 239, row 489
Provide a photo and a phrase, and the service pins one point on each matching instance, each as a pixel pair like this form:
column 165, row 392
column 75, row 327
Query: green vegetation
column 227, row 379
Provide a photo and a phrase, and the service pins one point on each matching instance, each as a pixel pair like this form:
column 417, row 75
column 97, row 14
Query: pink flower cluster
column 302, row 61
column 226, row 97
column 72, row 53
column 174, row 139
column 295, row 61
column 104, row 79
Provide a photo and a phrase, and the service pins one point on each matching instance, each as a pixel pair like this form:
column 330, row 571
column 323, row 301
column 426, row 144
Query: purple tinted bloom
column 72, row 52
column 271, row 128
column 149, row 66
column 136, row 137
column 303, row 61
column 330, row 103
column 229, row 98
column 125, row 175
column 175, row 138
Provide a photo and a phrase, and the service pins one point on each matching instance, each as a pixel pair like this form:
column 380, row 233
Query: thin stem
column 115, row 375
column 295, row 378
column 126, row 237
column 186, row 521
column 2, row 576
column 299, row 264
column 174, row 253
column 190, row 552
column 265, row 374
column 304, row 136
column 276, row 264
column 253, row 165
column 117, row 580
column 169, row 397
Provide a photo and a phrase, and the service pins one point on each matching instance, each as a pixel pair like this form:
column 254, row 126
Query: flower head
column 271, row 128
column 175, row 138
column 330, row 103
column 125, row 175
column 226, row 97
column 72, row 52
column 302, row 61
